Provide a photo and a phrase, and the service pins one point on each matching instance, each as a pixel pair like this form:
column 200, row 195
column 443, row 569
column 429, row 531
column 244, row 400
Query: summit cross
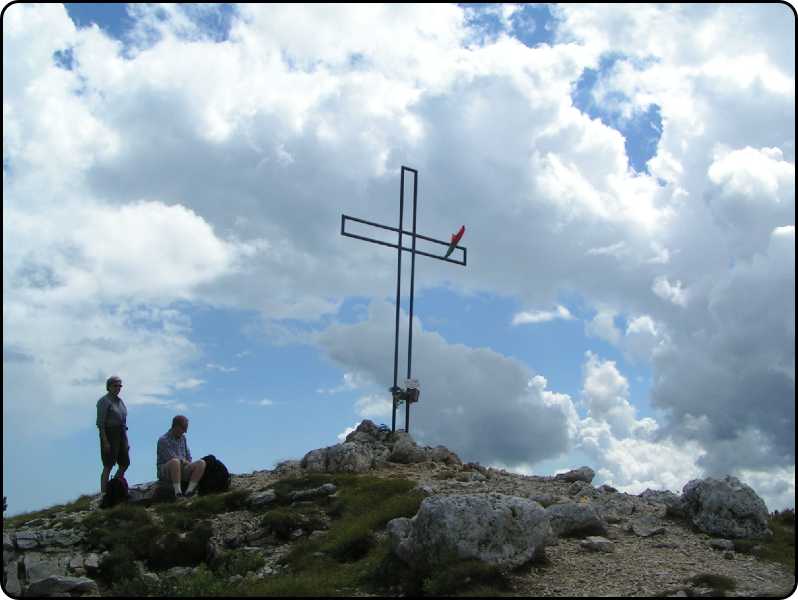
column 411, row 393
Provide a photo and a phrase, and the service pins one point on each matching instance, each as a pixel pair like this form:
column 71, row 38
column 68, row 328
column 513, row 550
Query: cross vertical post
column 408, row 395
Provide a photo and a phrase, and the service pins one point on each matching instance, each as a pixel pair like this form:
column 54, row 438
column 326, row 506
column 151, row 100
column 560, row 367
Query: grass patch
column 118, row 565
column 202, row 583
column 781, row 547
column 463, row 576
column 124, row 525
column 351, row 555
column 32, row 518
column 237, row 562
column 283, row 521
column 203, row 507
column 129, row 533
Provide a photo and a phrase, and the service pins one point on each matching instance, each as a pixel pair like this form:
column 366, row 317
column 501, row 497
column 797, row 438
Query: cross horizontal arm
column 404, row 248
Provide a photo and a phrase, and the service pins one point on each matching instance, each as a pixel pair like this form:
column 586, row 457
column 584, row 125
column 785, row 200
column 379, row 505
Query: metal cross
column 407, row 395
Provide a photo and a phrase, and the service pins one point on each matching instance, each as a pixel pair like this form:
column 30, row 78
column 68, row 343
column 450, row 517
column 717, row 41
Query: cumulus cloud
column 464, row 391
column 158, row 169
column 541, row 316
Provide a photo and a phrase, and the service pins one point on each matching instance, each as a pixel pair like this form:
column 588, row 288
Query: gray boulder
column 674, row 506
column 323, row 490
column 575, row 518
column 260, row 499
column 585, row 474
column 288, row 467
column 597, row 544
column 58, row 585
column 349, row 457
column 315, row 461
column 405, row 450
column 366, row 432
column 443, row 455
column 12, row 586
column 506, row 531
column 726, row 508
column 582, row 488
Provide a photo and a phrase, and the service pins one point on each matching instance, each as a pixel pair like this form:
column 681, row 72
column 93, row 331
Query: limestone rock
column 26, row 540
column 260, row 499
column 575, row 519
column 582, row 489
column 726, row 507
column 443, row 455
column 287, row 468
column 323, row 490
column 349, row 457
column 585, row 474
column 597, row 544
column 315, row 461
column 405, row 450
column 366, row 432
column 497, row 529
column 674, row 506
column 721, row 544
column 12, row 585
column 37, row 565
column 56, row 584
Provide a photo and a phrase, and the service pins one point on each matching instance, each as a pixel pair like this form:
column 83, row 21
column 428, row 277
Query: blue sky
column 172, row 215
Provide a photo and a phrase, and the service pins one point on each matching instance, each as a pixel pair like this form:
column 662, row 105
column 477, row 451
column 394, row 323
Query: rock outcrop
column 725, row 507
column 369, row 447
column 505, row 531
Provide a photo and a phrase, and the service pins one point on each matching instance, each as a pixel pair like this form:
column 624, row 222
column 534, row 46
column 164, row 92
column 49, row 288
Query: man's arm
column 102, row 412
column 162, row 454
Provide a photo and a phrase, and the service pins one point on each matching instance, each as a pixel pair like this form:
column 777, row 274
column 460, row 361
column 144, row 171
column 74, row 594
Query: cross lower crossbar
column 344, row 218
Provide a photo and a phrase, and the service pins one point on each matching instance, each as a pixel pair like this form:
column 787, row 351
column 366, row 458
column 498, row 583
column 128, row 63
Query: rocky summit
column 381, row 515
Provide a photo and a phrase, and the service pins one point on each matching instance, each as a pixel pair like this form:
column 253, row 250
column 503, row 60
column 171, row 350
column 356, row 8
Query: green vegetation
column 781, row 547
column 31, row 518
column 283, row 521
column 720, row 584
column 183, row 516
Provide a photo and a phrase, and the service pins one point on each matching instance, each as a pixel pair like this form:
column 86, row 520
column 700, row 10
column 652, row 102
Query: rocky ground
column 636, row 565
column 641, row 550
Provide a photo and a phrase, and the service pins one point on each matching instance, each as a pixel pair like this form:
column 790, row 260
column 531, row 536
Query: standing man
column 173, row 461
column 112, row 423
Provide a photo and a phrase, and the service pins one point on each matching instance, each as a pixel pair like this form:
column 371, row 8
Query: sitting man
column 174, row 459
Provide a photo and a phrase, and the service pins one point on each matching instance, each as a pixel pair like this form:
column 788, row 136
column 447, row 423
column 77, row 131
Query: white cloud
column 374, row 406
column 262, row 402
column 221, row 368
column 351, row 381
column 673, row 292
column 603, row 326
column 465, row 391
column 189, row 384
column 137, row 180
column 542, row 316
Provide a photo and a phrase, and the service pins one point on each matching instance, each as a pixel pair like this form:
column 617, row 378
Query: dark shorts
column 118, row 454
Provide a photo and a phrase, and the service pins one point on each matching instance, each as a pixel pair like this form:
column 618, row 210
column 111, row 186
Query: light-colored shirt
column 111, row 412
column 170, row 447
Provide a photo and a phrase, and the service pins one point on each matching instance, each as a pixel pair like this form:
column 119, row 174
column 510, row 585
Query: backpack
column 216, row 478
column 115, row 492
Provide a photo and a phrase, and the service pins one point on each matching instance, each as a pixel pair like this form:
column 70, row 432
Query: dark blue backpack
column 216, row 478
